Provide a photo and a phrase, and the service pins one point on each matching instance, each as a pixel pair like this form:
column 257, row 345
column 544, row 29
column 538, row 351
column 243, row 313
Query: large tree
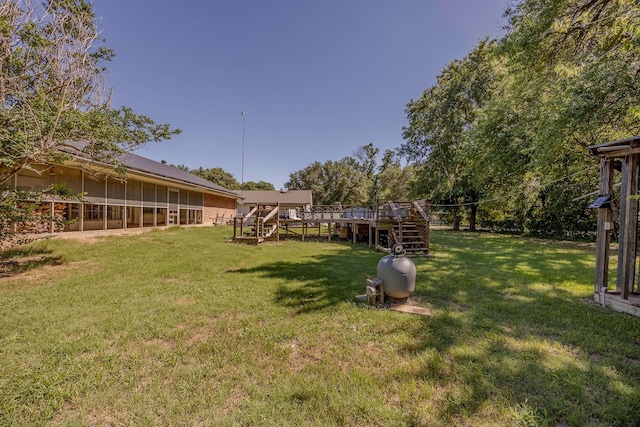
column 570, row 80
column 365, row 157
column 437, row 136
column 393, row 181
column 506, row 128
column 342, row 181
column 54, row 95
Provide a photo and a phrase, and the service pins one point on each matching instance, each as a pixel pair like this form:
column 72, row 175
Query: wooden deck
column 405, row 223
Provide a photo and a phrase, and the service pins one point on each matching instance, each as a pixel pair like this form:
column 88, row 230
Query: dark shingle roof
column 133, row 162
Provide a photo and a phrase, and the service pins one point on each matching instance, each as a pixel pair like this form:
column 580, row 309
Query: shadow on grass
column 513, row 328
column 20, row 260
column 319, row 281
column 508, row 328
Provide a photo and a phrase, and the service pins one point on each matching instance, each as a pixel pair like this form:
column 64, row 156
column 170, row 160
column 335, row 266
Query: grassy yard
column 179, row 327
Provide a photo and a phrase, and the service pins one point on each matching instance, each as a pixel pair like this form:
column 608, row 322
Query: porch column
column 81, row 207
column 141, row 221
column 104, row 208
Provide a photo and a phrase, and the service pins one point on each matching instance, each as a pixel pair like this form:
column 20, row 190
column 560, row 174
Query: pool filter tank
column 398, row 274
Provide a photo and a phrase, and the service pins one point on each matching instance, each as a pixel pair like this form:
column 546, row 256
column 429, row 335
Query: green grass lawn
column 179, row 327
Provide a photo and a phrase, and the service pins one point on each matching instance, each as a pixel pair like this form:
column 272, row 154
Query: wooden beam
column 625, row 151
column 603, row 237
column 628, row 226
column 396, row 212
column 421, row 212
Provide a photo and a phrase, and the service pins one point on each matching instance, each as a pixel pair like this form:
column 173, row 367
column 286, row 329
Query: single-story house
column 153, row 194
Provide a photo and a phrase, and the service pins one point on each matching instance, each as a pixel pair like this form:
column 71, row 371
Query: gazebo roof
column 618, row 148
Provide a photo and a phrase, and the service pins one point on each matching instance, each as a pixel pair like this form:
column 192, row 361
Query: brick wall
column 218, row 206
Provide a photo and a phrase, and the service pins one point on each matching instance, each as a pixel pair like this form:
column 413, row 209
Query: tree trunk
column 472, row 218
column 456, row 220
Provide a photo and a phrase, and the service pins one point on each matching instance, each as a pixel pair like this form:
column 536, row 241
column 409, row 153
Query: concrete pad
column 407, row 307
column 413, row 309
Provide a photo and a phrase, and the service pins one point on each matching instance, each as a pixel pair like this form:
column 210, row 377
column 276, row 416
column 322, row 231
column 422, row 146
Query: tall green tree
column 506, row 128
column 393, row 180
column 356, row 180
column 579, row 62
column 437, row 138
column 365, row 157
column 569, row 81
column 309, row 178
column 341, row 181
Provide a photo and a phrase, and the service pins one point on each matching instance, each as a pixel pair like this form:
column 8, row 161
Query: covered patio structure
column 621, row 156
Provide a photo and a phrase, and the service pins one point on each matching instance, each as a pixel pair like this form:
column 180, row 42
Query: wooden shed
column 618, row 157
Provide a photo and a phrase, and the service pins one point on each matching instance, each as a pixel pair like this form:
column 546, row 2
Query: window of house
column 114, row 212
column 93, row 211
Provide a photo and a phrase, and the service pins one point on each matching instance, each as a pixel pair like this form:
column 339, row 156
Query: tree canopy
column 505, row 129
column 259, row 185
column 227, row 180
column 354, row 181
column 218, row 176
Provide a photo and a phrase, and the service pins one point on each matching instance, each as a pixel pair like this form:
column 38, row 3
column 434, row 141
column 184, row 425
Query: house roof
column 135, row 163
column 291, row 197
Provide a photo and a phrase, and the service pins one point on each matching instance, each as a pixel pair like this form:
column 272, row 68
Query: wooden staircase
column 411, row 236
column 409, row 228
column 263, row 225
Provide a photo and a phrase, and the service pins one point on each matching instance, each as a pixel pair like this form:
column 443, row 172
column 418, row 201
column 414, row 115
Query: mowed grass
column 180, row 327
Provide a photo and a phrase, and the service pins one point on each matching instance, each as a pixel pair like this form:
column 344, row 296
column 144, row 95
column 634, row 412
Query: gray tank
column 398, row 274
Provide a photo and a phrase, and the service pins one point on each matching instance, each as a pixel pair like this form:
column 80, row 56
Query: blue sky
column 317, row 79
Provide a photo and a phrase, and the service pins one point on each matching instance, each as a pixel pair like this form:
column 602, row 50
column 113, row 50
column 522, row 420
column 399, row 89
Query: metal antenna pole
column 242, row 176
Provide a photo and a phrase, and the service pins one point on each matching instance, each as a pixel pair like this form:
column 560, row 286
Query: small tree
column 54, row 97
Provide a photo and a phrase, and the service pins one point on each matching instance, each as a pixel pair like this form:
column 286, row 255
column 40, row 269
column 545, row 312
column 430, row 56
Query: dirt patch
column 186, row 301
column 36, row 271
column 14, row 266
